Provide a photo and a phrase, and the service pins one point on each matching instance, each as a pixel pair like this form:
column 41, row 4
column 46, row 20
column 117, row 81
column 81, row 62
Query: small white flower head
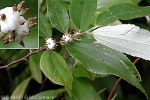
column 50, row 43
column 22, row 28
column 66, row 38
column 8, row 19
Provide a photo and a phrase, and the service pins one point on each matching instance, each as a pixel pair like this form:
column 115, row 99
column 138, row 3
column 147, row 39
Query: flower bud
column 31, row 19
column 6, row 41
column 23, row 11
column 20, row 6
column 32, row 25
column 21, row 42
column 12, row 36
column 15, row 9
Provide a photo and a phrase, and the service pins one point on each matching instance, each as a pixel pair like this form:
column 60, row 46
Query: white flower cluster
column 51, row 44
column 66, row 38
column 14, row 24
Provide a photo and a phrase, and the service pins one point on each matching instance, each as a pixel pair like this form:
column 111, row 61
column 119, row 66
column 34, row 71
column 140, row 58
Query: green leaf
column 114, row 97
column 81, row 87
column 55, row 68
column 100, row 59
column 34, row 67
column 19, row 91
column 129, row 11
column 103, row 19
column 104, row 4
column 81, row 71
column 58, row 15
column 136, row 1
column 82, row 12
column 122, row 11
column 44, row 26
column 49, row 94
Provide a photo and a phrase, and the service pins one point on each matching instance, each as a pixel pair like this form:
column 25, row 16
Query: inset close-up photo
column 19, row 24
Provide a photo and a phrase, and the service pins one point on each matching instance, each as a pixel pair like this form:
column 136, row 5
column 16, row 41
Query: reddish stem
column 118, row 81
column 23, row 58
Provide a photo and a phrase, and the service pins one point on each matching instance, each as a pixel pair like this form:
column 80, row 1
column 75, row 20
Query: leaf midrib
column 56, row 70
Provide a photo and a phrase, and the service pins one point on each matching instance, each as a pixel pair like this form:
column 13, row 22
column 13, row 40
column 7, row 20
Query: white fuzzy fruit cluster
column 10, row 21
column 14, row 24
column 51, row 44
column 66, row 38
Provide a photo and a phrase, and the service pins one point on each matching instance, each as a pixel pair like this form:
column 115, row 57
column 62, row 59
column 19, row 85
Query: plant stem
column 44, row 81
column 118, row 81
column 23, row 58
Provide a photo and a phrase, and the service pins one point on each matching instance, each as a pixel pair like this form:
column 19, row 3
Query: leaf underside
column 126, row 38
